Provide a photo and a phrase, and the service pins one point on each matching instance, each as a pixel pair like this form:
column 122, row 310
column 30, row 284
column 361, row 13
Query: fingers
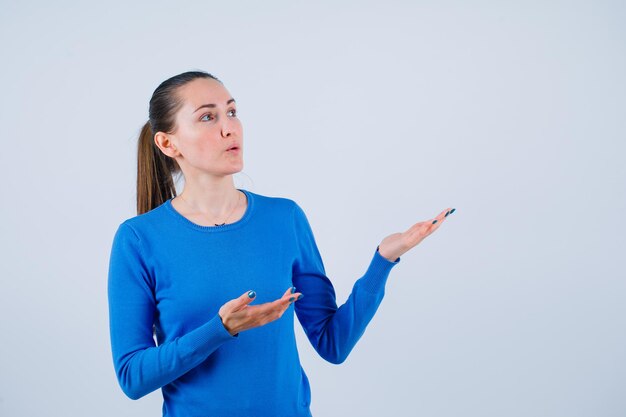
column 242, row 301
column 420, row 230
column 285, row 300
column 441, row 217
column 289, row 291
column 291, row 295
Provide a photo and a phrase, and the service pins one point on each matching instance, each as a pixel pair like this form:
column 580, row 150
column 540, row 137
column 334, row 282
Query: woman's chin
column 236, row 168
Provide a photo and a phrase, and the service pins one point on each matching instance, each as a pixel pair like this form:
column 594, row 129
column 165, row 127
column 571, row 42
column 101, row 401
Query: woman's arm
column 140, row 366
column 333, row 331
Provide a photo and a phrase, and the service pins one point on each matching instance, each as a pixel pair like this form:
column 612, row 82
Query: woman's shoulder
column 273, row 201
column 144, row 223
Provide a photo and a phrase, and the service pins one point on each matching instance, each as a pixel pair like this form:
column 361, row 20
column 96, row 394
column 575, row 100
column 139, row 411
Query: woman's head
column 192, row 122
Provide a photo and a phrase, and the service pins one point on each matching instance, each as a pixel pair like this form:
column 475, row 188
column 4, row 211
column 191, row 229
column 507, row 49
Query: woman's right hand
column 238, row 316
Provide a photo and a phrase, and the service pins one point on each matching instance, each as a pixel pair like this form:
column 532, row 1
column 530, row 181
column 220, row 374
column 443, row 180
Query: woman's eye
column 232, row 113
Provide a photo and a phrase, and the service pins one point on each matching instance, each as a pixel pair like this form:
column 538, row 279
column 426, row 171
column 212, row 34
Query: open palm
column 395, row 245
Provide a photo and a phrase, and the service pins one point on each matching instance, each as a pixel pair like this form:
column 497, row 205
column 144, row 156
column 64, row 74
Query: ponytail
column 155, row 171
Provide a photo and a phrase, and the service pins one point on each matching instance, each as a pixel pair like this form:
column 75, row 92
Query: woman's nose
column 227, row 127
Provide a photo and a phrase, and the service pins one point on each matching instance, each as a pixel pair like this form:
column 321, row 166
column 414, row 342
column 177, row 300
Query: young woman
column 217, row 272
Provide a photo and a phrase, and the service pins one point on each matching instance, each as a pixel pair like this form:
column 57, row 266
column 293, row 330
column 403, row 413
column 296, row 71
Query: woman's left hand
column 395, row 245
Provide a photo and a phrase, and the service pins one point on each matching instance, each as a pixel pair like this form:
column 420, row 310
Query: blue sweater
column 168, row 277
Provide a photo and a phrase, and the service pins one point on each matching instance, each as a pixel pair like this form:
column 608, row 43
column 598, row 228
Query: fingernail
column 300, row 296
column 434, row 221
column 452, row 211
column 447, row 212
column 293, row 289
column 251, row 294
column 291, row 299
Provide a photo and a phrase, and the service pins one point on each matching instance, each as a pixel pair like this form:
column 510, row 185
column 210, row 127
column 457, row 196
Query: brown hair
column 155, row 170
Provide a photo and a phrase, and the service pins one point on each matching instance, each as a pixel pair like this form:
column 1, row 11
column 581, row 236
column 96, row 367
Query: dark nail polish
column 293, row 289
column 291, row 299
column 251, row 294
column 452, row 211
column 300, row 296
column 434, row 221
column 447, row 212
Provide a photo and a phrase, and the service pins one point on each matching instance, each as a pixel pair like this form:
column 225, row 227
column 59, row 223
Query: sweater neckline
column 211, row 229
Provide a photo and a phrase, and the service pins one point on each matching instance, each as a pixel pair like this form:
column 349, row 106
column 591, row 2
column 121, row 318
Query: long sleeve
column 140, row 366
column 333, row 331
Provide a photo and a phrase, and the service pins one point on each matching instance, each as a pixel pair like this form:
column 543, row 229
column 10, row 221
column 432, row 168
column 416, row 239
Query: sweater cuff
column 377, row 273
column 211, row 334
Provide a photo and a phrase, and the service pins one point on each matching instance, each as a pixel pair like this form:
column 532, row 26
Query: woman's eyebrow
column 211, row 105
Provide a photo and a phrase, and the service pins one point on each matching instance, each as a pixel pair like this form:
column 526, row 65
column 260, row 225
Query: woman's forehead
column 205, row 91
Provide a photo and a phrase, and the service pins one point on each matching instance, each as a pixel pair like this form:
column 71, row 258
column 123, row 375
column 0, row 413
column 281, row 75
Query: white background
column 372, row 116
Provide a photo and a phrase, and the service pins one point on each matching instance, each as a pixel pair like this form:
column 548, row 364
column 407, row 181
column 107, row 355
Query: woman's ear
column 166, row 145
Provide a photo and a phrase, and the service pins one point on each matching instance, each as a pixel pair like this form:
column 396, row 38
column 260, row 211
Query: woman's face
column 207, row 126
